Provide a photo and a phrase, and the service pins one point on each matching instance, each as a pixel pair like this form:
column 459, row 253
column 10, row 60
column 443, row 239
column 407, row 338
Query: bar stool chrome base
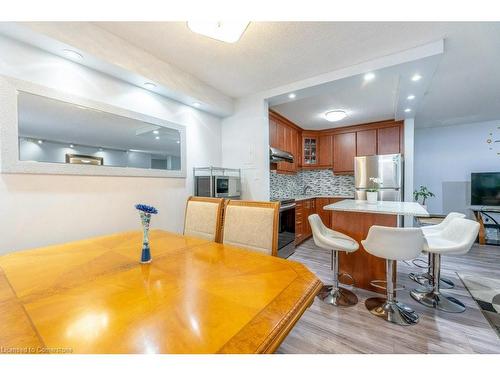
column 438, row 301
column 392, row 311
column 424, row 280
column 337, row 296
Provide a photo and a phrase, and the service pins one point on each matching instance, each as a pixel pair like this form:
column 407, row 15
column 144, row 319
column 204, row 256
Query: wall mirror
column 54, row 131
column 61, row 136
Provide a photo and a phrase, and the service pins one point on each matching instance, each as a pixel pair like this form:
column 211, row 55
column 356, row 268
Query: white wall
column 37, row 210
column 445, row 158
column 245, row 145
column 409, row 165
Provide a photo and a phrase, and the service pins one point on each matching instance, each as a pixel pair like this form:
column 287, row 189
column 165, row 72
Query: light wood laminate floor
column 328, row 329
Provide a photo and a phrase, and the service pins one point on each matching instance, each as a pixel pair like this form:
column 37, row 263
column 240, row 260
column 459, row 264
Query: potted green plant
column 423, row 193
column 372, row 192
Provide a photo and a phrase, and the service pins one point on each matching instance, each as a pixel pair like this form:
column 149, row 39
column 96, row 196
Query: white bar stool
column 393, row 244
column 334, row 241
column 423, row 278
column 457, row 238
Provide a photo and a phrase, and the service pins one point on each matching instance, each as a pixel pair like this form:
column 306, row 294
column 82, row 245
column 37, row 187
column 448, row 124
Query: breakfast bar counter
column 381, row 207
column 354, row 218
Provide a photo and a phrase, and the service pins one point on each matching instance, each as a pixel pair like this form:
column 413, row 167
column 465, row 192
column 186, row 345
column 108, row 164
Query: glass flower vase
column 146, row 252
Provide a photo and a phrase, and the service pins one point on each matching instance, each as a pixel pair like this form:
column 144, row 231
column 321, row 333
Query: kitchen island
column 354, row 218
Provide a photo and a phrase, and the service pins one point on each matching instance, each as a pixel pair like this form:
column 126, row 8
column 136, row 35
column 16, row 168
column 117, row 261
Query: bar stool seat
column 457, row 239
column 334, row 241
column 423, row 278
column 393, row 244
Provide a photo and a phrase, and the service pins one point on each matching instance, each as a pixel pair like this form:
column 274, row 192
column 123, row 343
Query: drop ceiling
column 270, row 54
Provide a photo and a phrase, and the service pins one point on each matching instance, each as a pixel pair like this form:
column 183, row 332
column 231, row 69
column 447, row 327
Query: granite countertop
column 381, row 207
column 304, row 197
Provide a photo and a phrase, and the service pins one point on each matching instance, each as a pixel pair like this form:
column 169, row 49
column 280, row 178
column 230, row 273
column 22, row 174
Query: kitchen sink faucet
column 305, row 189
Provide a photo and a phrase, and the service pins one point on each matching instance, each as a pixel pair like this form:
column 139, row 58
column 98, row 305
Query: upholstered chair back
column 252, row 225
column 203, row 218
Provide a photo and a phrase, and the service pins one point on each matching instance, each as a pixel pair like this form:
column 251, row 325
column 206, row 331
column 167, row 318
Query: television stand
column 479, row 211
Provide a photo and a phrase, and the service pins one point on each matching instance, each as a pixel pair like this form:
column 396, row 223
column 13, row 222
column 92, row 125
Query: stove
column 286, row 227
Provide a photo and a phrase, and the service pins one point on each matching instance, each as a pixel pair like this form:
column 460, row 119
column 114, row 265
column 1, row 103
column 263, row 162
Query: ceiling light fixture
column 369, row 76
column 291, row 96
column 416, row 77
column 178, row 142
column 410, row 97
column 335, row 115
column 71, row 146
column 149, row 85
column 225, row 31
column 197, row 105
column 73, row 55
column 40, row 141
column 407, row 110
column 155, row 132
column 157, row 137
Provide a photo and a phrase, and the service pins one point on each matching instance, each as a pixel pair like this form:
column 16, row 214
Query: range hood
column 277, row 155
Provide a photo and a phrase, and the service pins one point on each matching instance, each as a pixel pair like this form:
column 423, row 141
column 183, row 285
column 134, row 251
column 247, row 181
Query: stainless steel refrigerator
column 389, row 168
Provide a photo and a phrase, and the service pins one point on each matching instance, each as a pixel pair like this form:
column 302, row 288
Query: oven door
column 286, row 232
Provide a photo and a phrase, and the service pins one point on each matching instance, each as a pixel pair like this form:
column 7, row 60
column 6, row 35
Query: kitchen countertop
column 381, row 207
column 304, row 197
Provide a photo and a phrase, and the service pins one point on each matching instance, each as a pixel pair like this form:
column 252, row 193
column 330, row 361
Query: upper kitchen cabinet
column 284, row 135
column 325, row 150
column 389, row 140
column 344, row 151
column 366, row 142
column 309, row 150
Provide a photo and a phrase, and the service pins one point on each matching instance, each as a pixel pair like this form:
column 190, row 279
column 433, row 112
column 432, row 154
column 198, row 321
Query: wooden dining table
column 196, row 296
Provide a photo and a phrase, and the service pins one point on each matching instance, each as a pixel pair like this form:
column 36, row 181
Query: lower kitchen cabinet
column 307, row 207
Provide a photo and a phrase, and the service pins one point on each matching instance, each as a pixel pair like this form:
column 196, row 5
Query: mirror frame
column 9, row 142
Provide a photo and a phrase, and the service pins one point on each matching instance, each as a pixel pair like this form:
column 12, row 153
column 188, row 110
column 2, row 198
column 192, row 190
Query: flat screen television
column 485, row 189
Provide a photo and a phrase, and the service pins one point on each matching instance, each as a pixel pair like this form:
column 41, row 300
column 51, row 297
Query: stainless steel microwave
column 218, row 186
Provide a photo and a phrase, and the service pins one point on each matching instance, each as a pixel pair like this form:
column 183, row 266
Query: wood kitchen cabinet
column 344, row 151
column 332, row 148
column 325, row 149
column 306, row 207
column 309, row 151
column 324, row 214
column 366, row 142
column 389, row 140
column 303, row 209
column 284, row 135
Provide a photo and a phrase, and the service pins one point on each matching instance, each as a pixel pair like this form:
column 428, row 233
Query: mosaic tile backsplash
column 321, row 182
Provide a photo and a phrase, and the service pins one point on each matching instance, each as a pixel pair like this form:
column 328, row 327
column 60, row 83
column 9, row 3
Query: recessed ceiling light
column 410, row 97
column 149, row 85
column 72, row 54
column 178, row 142
column 407, row 110
column 369, row 76
column 157, row 137
column 225, row 31
column 155, row 131
column 416, row 77
column 40, row 141
column 335, row 115
column 71, row 146
column 291, row 96
column 196, row 104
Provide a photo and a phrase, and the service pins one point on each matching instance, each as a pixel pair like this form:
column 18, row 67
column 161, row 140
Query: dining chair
column 252, row 225
column 203, row 218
